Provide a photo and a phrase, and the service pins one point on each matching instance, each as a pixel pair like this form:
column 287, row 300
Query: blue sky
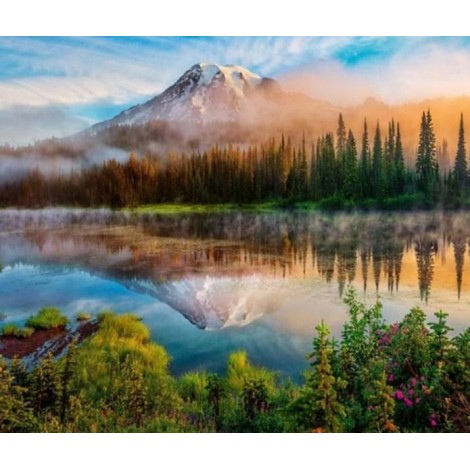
column 56, row 86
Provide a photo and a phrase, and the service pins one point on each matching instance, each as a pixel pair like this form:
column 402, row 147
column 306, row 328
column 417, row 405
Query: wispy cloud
column 23, row 124
column 84, row 70
column 416, row 70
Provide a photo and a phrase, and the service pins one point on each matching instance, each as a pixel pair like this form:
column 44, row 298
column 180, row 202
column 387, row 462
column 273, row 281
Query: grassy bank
column 405, row 202
column 180, row 208
column 404, row 377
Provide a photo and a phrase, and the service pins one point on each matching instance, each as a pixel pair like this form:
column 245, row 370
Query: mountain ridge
column 205, row 93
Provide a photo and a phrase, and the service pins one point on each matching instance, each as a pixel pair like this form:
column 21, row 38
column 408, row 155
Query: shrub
column 25, row 332
column 12, row 330
column 46, row 318
column 9, row 329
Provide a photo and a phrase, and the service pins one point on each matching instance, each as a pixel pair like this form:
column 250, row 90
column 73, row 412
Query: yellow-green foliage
column 46, row 318
column 240, row 371
column 11, row 329
column 101, row 358
column 25, row 332
column 193, row 386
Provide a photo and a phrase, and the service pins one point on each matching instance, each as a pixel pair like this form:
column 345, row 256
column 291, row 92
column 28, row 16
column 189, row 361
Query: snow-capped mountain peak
column 205, row 93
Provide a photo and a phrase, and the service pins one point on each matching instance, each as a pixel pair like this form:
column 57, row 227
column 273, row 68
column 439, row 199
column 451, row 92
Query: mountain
column 204, row 94
column 213, row 104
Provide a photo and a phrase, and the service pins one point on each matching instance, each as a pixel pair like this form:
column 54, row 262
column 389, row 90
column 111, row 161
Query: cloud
column 427, row 70
column 23, row 124
column 72, row 71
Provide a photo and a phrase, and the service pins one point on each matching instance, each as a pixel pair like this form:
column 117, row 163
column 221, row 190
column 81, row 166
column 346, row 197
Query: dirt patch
column 43, row 342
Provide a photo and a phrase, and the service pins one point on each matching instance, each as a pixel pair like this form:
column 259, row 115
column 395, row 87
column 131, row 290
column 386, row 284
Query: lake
column 209, row 284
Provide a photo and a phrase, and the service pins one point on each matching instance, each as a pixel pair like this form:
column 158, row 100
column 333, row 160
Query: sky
column 57, row 86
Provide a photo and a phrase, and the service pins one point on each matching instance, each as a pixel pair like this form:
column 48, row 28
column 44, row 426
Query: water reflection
column 423, row 251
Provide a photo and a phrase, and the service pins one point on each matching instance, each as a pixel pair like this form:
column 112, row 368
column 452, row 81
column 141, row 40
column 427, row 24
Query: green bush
column 25, row 332
column 47, row 318
column 10, row 329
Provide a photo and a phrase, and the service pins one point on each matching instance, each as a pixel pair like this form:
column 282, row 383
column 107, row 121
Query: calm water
column 209, row 284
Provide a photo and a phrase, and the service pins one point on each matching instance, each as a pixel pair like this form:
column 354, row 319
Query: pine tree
column 427, row 169
column 460, row 167
column 399, row 165
column 302, row 173
column 46, row 385
column 67, row 390
column 377, row 165
column 341, row 142
column 389, row 154
column 351, row 179
column 15, row 415
column 364, row 167
column 318, row 405
column 327, row 167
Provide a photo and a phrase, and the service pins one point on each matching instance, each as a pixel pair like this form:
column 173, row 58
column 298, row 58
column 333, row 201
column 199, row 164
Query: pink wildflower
column 414, row 381
column 408, row 402
column 433, row 422
column 411, row 392
column 399, row 395
column 391, row 378
column 417, row 400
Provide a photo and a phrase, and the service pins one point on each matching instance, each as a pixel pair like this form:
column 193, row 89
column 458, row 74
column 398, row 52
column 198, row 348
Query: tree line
column 334, row 167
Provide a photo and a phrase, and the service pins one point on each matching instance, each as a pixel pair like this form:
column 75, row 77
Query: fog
column 14, row 167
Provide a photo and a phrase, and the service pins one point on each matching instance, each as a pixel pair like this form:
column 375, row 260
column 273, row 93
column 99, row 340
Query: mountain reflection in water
column 229, row 269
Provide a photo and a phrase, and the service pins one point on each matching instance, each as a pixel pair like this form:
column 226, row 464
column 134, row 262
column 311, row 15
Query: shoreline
column 42, row 342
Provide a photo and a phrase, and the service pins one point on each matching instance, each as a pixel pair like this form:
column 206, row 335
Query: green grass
column 333, row 203
column 47, row 318
column 11, row 329
column 183, row 208
column 170, row 209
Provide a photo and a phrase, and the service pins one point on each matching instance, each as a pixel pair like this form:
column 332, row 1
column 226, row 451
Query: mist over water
column 207, row 284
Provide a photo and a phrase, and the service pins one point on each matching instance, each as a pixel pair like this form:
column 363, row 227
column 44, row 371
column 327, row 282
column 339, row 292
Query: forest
column 409, row 376
column 336, row 171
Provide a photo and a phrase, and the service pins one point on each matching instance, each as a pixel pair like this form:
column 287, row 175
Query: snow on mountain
column 204, row 94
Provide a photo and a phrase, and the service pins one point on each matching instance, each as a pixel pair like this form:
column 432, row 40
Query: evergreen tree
column 351, row 178
column 427, row 169
column 15, row 415
column 327, row 167
column 364, row 167
column 46, row 385
column 399, row 165
column 377, row 165
column 389, row 156
column 302, row 173
column 67, row 391
column 460, row 167
column 318, row 405
column 341, row 142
